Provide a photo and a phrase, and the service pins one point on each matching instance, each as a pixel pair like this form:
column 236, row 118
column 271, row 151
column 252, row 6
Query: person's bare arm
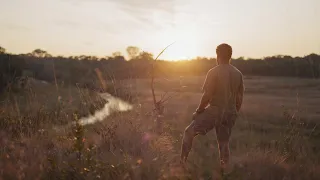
column 240, row 95
column 203, row 102
column 207, row 91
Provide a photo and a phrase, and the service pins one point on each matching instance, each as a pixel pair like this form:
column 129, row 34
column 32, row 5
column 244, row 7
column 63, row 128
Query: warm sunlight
column 101, row 27
column 236, row 87
column 185, row 38
column 180, row 51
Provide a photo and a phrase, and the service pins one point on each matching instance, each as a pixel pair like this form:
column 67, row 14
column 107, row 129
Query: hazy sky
column 255, row 28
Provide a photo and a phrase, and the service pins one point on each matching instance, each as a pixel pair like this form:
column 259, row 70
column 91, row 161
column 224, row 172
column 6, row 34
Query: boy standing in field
column 220, row 103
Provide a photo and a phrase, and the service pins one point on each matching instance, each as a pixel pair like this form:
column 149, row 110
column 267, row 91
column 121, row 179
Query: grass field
column 275, row 137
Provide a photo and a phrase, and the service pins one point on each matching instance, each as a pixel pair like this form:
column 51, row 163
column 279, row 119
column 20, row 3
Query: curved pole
column 156, row 104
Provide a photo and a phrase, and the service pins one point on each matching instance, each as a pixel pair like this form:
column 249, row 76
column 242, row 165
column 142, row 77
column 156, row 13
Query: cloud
column 67, row 23
column 143, row 12
column 13, row 26
column 87, row 43
column 142, row 6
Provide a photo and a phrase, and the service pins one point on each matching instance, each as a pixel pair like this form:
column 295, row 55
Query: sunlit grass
column 268, row 143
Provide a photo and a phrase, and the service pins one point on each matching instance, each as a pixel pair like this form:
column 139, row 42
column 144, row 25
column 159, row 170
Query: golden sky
column 255, row 28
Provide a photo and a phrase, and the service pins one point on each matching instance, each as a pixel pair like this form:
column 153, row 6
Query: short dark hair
column 224, row 51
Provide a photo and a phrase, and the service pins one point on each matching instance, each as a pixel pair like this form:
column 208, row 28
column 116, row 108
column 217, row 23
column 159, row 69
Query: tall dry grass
column 267, row 143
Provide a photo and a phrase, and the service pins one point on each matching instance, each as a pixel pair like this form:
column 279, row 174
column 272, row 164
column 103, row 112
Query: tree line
column 82, row 70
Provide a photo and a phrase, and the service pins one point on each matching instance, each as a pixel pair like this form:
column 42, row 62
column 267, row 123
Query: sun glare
column 185, row 44
column 180, row 51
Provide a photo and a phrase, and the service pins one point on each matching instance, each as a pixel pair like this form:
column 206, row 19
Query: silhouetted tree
column 40, row 53
column 133, row 52
column 145, row 56
column 2, row 50
column 119, row 58
column 314, row 63
column 115, row 54
column 80, row 70
column 11, row 67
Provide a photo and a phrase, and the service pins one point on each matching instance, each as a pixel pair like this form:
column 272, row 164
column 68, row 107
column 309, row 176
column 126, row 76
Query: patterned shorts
column 214, row 118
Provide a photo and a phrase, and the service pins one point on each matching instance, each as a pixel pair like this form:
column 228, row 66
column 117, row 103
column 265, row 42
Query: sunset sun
column 180, row 51
column 185, row 43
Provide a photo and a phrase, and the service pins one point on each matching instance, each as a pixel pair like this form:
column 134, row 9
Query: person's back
column 226, row 80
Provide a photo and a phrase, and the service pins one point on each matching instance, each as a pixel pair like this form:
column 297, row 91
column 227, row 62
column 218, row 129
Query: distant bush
column 11, row 67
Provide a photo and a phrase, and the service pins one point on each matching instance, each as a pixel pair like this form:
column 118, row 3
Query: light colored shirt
column 224, row 85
